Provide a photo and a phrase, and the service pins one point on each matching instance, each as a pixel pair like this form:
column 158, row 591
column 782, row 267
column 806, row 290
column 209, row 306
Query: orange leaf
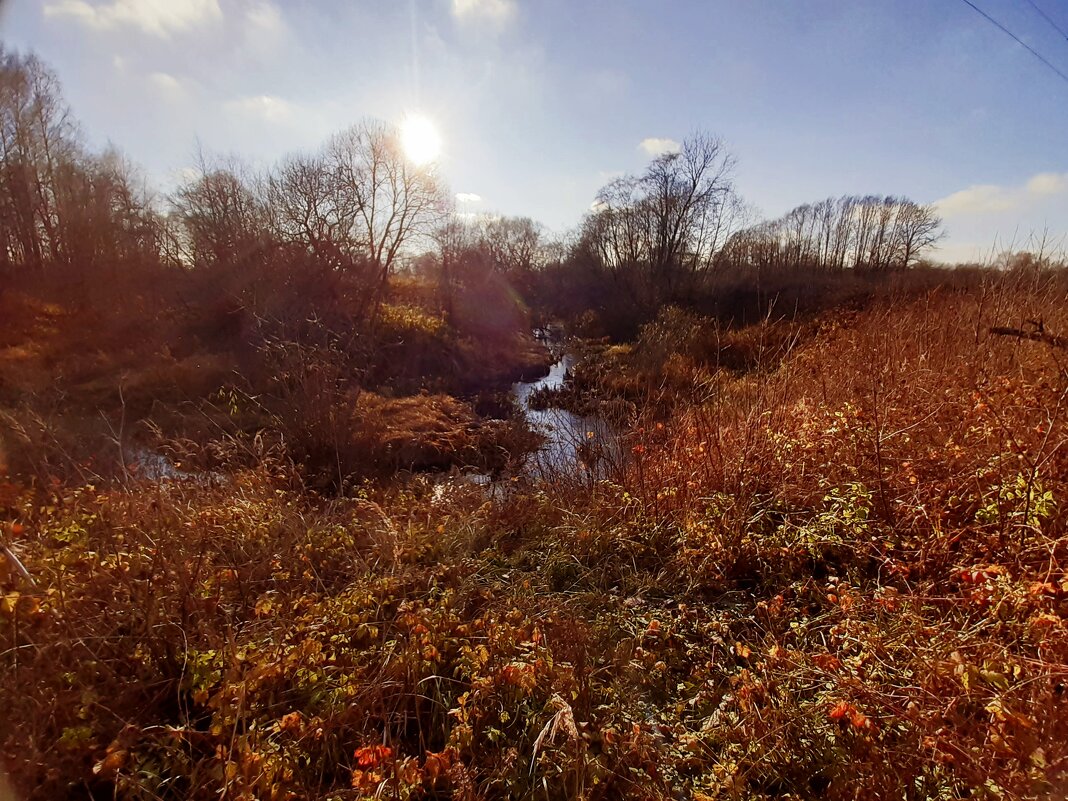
column 828, row 662
column 436, row 764
column 372, row 755
column 293, row 722
column 860, row 720
column 841, row 711
column 112, row 763
column 366, row 780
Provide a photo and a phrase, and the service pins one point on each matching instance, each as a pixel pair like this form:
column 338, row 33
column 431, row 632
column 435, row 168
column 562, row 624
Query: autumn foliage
column 834, row 568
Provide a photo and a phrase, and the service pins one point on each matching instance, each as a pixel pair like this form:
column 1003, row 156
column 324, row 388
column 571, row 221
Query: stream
column 575, row 445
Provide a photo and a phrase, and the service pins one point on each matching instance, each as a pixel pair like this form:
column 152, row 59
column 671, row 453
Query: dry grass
column 894, row 489
column 841, row 574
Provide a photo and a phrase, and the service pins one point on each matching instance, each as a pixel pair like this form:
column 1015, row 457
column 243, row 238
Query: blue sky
column 540, row 102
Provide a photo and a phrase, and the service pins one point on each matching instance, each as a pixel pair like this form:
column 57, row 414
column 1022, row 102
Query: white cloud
column 75, row 9
column 658, row 146
column 992, row 198
column 986, row 219
column 963, row 253
column 157, row 17
column 468, row 197
column 497, row 10
column 265, row 17
column 266, row 107
column 1048, row 183
column 979, row 199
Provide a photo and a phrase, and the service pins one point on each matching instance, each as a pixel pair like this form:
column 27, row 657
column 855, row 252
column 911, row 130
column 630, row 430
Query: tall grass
column 896, row 486
column 833, row 565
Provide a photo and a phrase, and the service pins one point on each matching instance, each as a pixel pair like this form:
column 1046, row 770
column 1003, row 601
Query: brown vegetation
column 848, row 557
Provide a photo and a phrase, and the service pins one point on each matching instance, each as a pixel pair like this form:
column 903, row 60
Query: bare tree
column 38, row 139
column 307, row 207
column 513, row 243
column 105, row 215
column 392, row 200
column 221, row 217
column 619, row 227
column 683, row 190
column 654, row 231
column 454, row 237
column 919, row 227
column 865, row 233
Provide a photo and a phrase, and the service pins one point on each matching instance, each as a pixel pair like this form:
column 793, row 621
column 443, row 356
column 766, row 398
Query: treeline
column 348, row 215
column 850, row 232
column 338, row 222
column 653, row 234
column 354, row 206
column 679, row 234
column 348, row 212
column 59, row 204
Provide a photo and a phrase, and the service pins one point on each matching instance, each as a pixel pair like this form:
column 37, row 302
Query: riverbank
column 414, row 393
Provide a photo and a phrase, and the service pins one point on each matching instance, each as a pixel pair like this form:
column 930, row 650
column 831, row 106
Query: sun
column 420, row 139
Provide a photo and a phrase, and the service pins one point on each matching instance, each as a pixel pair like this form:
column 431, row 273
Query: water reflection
column 575, row 445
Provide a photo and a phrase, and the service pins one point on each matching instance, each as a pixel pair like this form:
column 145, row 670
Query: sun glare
column 420, row 138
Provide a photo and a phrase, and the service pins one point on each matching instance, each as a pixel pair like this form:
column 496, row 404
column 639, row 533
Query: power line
column 1048, row 19
column 1018, row 40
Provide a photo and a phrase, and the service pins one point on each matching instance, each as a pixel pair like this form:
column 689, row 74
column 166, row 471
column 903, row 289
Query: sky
column 539, row 103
